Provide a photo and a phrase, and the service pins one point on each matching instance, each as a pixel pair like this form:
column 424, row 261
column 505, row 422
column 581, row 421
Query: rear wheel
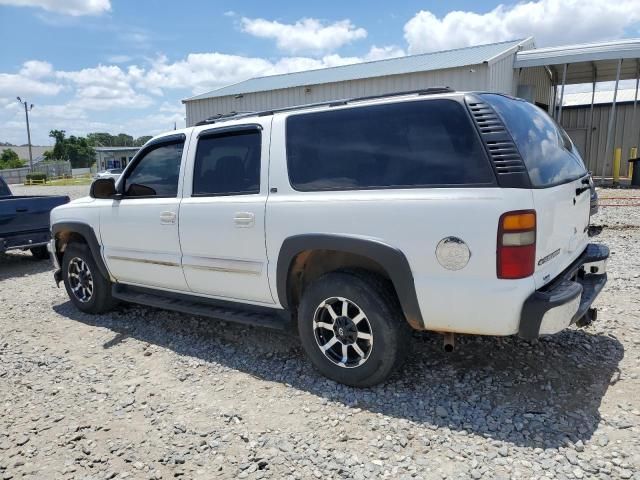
column 352, row 329
column 40, row 253
column 87, row 288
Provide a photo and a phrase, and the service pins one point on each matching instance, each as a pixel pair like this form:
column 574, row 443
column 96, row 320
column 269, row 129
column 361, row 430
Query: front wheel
column 352, row 328
column 87, row 288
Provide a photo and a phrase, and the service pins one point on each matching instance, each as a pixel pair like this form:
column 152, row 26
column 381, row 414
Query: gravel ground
column 145, row 393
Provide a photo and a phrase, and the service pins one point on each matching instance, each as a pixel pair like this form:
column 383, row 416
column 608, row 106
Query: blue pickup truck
column 24, row 221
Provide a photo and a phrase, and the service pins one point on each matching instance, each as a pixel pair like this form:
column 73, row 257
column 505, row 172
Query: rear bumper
column 568, row 297
column 25, row 240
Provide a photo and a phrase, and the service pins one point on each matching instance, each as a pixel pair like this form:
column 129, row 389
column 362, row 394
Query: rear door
column 222, row 215
column 560, row 182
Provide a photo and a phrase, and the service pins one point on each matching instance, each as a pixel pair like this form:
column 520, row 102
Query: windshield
column 546, row 149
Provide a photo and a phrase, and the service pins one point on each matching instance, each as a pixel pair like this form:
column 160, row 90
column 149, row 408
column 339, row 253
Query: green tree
column 59, row 151
column 142, row 140
column 100, row 139
column 123, row 140
column 10, row 159
column 79, row 152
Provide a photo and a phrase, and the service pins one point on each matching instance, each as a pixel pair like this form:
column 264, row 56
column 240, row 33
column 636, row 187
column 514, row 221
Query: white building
column 114, row 157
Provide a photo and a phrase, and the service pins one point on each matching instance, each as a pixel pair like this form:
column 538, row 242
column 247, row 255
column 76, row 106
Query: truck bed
column 24, row 220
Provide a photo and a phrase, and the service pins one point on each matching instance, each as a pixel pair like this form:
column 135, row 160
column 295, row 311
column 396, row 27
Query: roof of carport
column 583, row 59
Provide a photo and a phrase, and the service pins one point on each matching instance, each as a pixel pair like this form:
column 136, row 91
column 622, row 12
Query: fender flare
column 89, row 235
column 389, row 258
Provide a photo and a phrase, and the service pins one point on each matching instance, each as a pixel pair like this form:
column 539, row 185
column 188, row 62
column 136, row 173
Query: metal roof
column 459, row 57
column 585, row 52
column 601, row 97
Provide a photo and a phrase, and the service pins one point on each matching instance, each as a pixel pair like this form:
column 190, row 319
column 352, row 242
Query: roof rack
column 221, row 117
column 226, row 116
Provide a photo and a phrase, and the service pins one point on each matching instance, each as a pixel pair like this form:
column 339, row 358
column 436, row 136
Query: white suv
column 355, row 221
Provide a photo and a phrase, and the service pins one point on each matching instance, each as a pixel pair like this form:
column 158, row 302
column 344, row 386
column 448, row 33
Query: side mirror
column 103, row 188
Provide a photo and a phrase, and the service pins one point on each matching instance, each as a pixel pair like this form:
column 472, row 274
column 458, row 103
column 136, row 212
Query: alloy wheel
column 80, row 279
column 343, row 332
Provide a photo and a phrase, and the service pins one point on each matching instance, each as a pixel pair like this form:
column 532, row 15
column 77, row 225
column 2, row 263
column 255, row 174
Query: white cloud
column 306, row 35
column 74, row 8
column 36, row 69
column 197, row 71
column 104, row 87
column 551, row 22
column 29, row 80
column 382, row 53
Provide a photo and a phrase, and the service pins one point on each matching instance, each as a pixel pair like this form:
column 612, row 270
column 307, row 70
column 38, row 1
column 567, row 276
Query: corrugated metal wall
column 501, row 76
column 465, row 78
column 575, row 121
column 538, row 78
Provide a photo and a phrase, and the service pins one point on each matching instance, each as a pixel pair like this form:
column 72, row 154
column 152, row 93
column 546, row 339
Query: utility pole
column 27, row 109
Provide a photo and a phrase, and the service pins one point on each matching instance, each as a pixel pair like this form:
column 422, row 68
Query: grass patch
column 64, row 182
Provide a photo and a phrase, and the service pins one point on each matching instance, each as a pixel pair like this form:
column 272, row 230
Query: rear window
column 398, row 145
column 546, row 149
column 228, row 164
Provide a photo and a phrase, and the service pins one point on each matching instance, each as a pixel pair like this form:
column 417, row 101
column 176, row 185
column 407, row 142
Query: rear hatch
column 560, row 184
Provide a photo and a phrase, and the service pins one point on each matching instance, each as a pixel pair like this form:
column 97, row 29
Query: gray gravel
column 145, row 393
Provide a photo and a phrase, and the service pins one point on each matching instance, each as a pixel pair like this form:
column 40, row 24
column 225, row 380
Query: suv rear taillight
column 516, row 244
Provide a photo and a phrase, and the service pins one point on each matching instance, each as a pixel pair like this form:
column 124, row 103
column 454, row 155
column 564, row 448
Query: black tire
column 375, row 298
column 40, row 253
column 100, row 299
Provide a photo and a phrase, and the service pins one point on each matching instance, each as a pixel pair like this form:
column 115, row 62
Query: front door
column 222, row 215
column 140, row 231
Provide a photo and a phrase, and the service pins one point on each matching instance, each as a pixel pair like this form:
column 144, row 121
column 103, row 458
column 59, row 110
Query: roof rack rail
column 225, row 116
column 423, row 91
column 329, row 103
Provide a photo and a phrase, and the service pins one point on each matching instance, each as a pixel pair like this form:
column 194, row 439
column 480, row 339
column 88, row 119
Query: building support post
column 554, row 88
column 636, row 127
column 594, row 71
column 564, row 80
column 612, row 119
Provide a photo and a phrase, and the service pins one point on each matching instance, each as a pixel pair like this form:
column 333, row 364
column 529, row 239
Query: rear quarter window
column 397, row 145
column 546, row 149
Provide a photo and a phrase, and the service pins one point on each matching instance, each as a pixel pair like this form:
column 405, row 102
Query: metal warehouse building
column 514, row 67
column 588, row 128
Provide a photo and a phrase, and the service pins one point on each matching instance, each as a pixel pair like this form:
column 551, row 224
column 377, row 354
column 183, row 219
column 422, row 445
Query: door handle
column 21, row 210
column 244, row 219
column 168, row 218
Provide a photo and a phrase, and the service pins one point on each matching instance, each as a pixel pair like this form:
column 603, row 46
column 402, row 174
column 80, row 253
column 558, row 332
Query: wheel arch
column 65, row 233
column 375, row 255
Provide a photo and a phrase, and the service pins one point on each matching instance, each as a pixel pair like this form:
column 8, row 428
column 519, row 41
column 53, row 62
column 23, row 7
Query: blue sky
column 124, row 66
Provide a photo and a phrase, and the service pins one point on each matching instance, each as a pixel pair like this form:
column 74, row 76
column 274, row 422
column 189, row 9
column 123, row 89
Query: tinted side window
column 410, row 144
column 546, row 149
column 228, row 164
column 156, row 173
